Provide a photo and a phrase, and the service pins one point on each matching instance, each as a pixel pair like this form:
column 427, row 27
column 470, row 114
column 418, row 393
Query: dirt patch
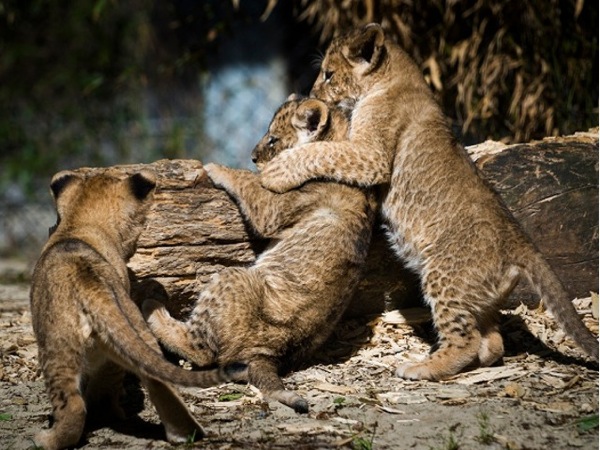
column 544, row 396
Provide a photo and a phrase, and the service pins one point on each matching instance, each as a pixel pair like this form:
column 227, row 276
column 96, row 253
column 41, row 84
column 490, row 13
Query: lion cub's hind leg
column 262, row 373
column 459, row 343
column 492, row 347
column 180, row 426
column 62, row 373
column 175, row 335
column 104, row 389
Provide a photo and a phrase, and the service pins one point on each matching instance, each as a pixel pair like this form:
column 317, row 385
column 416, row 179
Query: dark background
column 102, row 82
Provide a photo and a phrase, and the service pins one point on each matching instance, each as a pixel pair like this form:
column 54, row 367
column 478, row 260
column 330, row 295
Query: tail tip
column 300, row 406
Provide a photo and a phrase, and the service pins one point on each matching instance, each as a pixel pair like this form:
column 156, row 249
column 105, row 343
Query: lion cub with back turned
column 87, row 328
column 273, row 314
column 443, row 220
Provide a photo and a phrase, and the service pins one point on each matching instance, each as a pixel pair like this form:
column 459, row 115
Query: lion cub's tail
column 129, row 340
column 555, row 297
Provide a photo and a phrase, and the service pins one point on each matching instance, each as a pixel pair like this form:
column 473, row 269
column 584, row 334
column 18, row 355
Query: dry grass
column 511, row 71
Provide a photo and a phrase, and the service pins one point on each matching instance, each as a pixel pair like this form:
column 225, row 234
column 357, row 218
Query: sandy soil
column 543, row 396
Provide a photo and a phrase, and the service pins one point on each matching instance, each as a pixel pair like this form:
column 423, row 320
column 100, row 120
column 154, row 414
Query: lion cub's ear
column 61, row 180
column 365, row 48
column 310, row 119
column 142, row 184
column 63, row 187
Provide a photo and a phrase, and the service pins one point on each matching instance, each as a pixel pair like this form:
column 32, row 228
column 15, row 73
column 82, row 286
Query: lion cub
column 273, row 314
column 86, row 326
column 443, row 220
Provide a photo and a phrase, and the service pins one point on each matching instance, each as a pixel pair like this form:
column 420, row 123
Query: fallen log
column 551, row 187
column 195, row 230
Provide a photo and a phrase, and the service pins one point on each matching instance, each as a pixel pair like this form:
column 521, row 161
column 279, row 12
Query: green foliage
column 73, row 76
column 362, row 443
column 191, row 438
column 586, row 424
column 230, row 397
column 32, row 447
column 452, row 443
column 339, row 401
column 451, row 440
column 5, row 417
column 486, row 434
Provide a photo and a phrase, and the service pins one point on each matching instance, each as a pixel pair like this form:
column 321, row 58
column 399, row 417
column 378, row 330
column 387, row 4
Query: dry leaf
column 404, row 398
column 506, row 442
column 389, row 410
column 514, row 390
column 556, row 407
column 328, row 387
column 407, row 316
column 488, row 374
column 594, row 296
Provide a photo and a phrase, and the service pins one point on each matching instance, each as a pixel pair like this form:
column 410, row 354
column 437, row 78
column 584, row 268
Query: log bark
column 195, row 230
column 551, row 187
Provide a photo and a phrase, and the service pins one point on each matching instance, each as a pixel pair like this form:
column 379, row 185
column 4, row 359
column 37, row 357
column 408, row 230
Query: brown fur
column 273, row 314
column 87, row 328
column 443, row 220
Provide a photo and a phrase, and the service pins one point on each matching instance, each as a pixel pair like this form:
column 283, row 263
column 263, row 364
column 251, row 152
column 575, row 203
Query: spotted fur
column 273, row 314
column 444, row 222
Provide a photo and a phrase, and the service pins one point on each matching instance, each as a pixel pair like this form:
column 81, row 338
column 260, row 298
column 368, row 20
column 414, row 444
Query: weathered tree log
column 195, row 230
column 551, row 187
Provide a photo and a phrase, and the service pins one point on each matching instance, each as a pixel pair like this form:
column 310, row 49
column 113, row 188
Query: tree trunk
column 195, row 230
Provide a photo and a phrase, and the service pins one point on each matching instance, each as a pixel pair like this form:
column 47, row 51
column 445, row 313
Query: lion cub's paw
column 184, row 435
column 276, row 177
column 219, row 175
column 412, row 371
column 153, row 310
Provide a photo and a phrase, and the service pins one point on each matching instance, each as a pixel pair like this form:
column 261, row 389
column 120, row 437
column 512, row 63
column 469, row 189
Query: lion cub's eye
column 327, row 74
column 272, row 141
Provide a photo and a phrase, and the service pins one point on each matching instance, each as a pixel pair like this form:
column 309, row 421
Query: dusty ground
column 544, row 396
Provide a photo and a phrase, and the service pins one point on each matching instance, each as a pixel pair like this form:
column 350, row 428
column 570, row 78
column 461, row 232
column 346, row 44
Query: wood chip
column 328, row 387
column 407, row 316
column 594, row 304
column 309, row 429
column 486, row 374
column 389, row 410
column 403, row 398
column 514, row 390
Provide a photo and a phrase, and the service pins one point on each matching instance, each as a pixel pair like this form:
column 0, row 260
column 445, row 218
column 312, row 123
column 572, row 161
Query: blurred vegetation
column 74, row 75
column 505, row 70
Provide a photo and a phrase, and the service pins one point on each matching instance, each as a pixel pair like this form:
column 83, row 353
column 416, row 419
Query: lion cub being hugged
column 273, row 314
column 87, row 327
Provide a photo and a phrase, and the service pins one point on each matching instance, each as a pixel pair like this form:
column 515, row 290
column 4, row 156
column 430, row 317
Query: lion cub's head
column 351, row 64
column 298, row 121
column 110, row 208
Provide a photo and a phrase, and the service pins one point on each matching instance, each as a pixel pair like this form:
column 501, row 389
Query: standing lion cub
column 443, row 221
column 273, row 314
column 87, row 328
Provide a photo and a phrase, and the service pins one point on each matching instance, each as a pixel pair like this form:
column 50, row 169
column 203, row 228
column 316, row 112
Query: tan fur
column 443, row 220
column 87, row 328
column 273, row 314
